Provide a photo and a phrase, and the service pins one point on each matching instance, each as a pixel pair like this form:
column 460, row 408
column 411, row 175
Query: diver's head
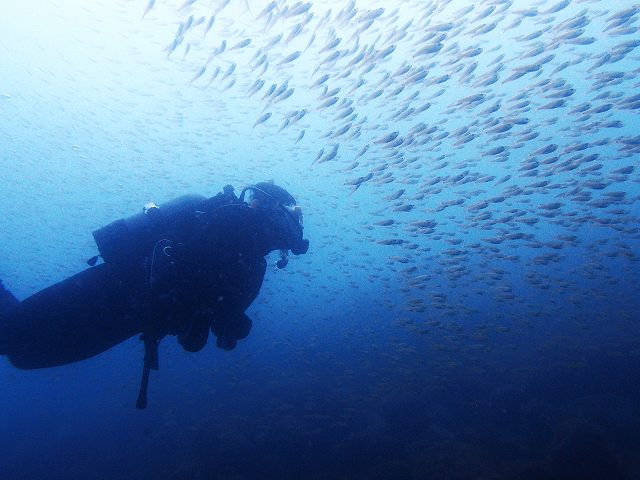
column 282, row 211
column 267, row 195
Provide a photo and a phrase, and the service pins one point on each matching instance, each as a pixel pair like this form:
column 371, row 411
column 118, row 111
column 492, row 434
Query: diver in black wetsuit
column 184, row 268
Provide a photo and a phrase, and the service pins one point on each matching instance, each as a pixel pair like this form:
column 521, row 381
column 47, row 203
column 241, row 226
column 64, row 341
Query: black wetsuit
column 200, row 272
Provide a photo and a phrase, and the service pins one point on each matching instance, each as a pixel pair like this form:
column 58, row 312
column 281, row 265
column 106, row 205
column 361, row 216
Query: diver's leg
column 75, row 319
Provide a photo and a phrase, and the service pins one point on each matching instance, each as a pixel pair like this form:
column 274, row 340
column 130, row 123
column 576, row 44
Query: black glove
column 194, row 337
column 229, row 328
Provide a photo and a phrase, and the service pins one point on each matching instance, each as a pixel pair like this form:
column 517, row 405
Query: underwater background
column 468, row 307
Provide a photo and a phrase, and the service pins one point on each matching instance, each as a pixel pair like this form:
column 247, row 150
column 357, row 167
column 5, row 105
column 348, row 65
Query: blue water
column 468, row 306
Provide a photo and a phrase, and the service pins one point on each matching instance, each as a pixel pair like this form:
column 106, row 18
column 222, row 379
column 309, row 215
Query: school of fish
column 491, row 137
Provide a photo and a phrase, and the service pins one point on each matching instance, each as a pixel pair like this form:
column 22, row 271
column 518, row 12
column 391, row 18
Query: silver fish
column 290, row 58
column 262, row 119
column 149, row 6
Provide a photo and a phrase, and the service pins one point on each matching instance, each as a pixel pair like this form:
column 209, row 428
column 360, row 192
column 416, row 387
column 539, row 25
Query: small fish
column 186, row 4
column 360, row 180
column 345, row 113
column 148, row 7
column 259, row 62
column 485, row 29
column 275, row 40
column 257, row 85
column 300, row 114
column 355, row 60
column 552, row 147
column 419, row 77
column 331, row 45
column 222, row 5
column 334, row 56
column 199, row 73
column 176, row 41
column 328, row 103
column 387, row 51
column 433, row 48
column 395, row 195
column 485, row 13
column 310, row 42
column 300, row 136
column 241, row 44
column 361, row 81
column 567, row 92
column 284, row 125
column 265, row 67
column 262, row 119
column 391, row 241
column 533, row 35
column 209, row 25
column 396, row 92
column 495, row 151
column 294, row 33
column 281, row 89
column 388, row 138
column 554, row 104
column 189, row 23
column 385, row 223
column 341, row 131
column 298, row 9
column 269, row 91
column 215, row 74
column 285, row 95
column 320, row 80
column 320, row 153
column 329, row 156
column 371, row 15
column 363, row 151
column 557, row 7
column 401, row 70
column 425, row 223
column 374, row 95
column 267, row 10
column 229, row 71
column 290, row 58
column 351, row 167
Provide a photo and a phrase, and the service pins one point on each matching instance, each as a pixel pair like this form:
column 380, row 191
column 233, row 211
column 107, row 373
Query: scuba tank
column 131, row 239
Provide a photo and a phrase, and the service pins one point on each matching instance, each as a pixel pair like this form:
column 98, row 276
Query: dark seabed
column 468, row 308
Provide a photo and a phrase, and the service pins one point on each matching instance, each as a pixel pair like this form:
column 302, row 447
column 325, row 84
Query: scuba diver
column 182, row 268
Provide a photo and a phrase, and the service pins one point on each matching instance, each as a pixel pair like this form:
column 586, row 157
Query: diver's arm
column 254, row 283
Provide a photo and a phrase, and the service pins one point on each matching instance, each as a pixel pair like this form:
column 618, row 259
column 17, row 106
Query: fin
column 7, row 299
column 93, row 260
